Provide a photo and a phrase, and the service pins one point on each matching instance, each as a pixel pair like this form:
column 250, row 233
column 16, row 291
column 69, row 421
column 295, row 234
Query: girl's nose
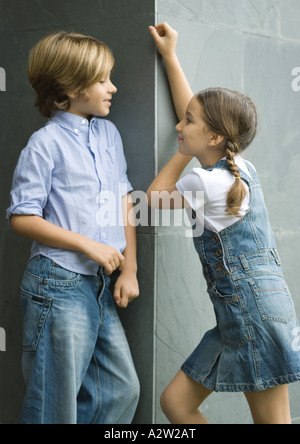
column 179, row 127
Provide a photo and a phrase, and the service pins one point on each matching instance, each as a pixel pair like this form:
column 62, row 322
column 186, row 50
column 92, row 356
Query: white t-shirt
column 215, row 185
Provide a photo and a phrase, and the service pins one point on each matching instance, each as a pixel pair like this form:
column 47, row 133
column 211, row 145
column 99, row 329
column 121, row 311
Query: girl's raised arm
column 165, row 39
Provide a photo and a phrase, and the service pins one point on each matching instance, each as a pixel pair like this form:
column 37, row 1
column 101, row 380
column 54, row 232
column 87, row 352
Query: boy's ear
column 71, row 95
column 215, row 140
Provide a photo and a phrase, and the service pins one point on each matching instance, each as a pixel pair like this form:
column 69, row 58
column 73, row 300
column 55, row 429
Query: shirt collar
column 72, row 122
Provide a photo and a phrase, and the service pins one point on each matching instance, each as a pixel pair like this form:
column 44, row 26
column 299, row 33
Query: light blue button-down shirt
column 73, row 174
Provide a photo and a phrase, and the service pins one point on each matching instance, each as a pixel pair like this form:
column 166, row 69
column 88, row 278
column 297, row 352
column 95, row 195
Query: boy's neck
column 82, row 115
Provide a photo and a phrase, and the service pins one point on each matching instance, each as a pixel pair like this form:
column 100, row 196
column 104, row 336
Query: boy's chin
column 103, row 114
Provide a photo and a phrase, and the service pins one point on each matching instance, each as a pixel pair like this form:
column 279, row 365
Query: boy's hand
column 105, row 255
column 165, row 39
column 126, row 289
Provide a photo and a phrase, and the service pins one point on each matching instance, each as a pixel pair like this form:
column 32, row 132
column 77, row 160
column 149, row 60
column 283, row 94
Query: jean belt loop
column 276, row 256
column 244, row 262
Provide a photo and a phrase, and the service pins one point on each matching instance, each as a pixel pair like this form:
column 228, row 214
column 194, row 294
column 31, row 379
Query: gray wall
column 253, row 49
column 251, row 46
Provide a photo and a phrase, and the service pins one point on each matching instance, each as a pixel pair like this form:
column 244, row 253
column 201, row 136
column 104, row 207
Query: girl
column 250, row 350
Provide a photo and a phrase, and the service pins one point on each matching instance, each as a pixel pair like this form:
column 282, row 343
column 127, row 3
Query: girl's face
column 195, row 139
column 99, row 100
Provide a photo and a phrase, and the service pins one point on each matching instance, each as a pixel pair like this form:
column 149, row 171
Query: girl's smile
column 195, row 138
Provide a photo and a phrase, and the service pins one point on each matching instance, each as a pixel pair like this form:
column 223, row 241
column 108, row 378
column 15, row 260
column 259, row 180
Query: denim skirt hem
column 219, row 387
column 249, row 366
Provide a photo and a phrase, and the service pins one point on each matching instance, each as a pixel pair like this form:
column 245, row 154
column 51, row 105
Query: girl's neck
column 210, row 159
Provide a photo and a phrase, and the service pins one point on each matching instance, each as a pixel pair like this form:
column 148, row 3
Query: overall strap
column 250, row 180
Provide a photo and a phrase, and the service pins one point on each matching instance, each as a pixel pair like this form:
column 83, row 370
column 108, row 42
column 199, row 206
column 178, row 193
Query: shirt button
column 83, row 122
column 76, row 130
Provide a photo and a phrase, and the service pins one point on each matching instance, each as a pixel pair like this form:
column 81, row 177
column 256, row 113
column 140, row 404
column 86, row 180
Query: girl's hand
column 165, row 39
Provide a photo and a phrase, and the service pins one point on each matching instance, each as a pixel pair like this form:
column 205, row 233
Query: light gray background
column 252, row 46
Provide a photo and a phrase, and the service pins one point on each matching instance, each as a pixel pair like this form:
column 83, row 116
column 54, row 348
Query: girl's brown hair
column 63, row 63
column 233, row 116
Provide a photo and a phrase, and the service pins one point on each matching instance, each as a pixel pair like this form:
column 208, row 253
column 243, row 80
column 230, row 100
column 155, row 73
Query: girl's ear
column 215, row 140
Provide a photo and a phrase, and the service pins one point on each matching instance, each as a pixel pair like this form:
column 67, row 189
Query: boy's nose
column 113, row 88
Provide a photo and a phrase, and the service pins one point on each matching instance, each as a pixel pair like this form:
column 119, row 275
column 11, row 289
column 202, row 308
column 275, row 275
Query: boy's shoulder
column 41, row 135
column 54, row 131
column 102, row 123
column 53, row 125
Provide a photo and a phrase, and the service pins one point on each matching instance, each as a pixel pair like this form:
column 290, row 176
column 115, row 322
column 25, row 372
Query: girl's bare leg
column 271, row 406
column 182, row 398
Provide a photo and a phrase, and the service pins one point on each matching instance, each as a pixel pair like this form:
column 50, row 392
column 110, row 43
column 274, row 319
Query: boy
column 76, row 361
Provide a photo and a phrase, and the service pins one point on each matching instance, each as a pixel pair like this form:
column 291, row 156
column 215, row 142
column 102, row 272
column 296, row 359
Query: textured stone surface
column 289, row 19
column 257, row 16
column 252, row 46
column 246, row 46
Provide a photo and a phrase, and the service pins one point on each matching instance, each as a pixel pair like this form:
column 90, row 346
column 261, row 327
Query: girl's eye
column 102, row 82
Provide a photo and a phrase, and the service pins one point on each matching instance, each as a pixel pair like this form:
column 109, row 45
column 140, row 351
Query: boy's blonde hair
column 63, row 63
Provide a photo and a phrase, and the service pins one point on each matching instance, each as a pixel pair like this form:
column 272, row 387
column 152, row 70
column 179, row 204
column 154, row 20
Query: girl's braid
column 231, row 150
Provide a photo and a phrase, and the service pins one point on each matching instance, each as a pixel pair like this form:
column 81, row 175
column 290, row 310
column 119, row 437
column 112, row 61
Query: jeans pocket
column 35, row 310
column 61, row 277
column 273, row 299
column 230, row 318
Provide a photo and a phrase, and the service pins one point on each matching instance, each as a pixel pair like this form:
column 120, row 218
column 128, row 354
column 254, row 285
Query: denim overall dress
column 252, row 346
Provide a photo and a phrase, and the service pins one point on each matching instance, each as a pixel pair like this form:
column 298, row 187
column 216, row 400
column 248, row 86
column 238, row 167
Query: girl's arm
column 165, row 39
column 42, row 231
column 162, row 193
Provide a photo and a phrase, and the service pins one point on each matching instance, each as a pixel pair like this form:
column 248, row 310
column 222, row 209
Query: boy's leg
column 181, row 400
column 110, row 390
column 61, row 318
column 271, row 406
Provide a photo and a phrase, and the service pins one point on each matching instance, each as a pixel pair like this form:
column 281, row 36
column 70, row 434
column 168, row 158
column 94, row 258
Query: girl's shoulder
column 221, row 173
column 245, row 165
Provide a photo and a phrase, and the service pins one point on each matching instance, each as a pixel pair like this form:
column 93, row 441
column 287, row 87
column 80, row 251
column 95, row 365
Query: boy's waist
column 71, row 260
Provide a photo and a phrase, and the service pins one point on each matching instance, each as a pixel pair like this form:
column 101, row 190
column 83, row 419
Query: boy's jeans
column 76, row 362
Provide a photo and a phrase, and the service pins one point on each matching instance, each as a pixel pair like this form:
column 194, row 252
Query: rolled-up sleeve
column 32, row 178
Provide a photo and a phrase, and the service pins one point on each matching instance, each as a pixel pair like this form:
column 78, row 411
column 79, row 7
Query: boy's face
column 99, row 100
